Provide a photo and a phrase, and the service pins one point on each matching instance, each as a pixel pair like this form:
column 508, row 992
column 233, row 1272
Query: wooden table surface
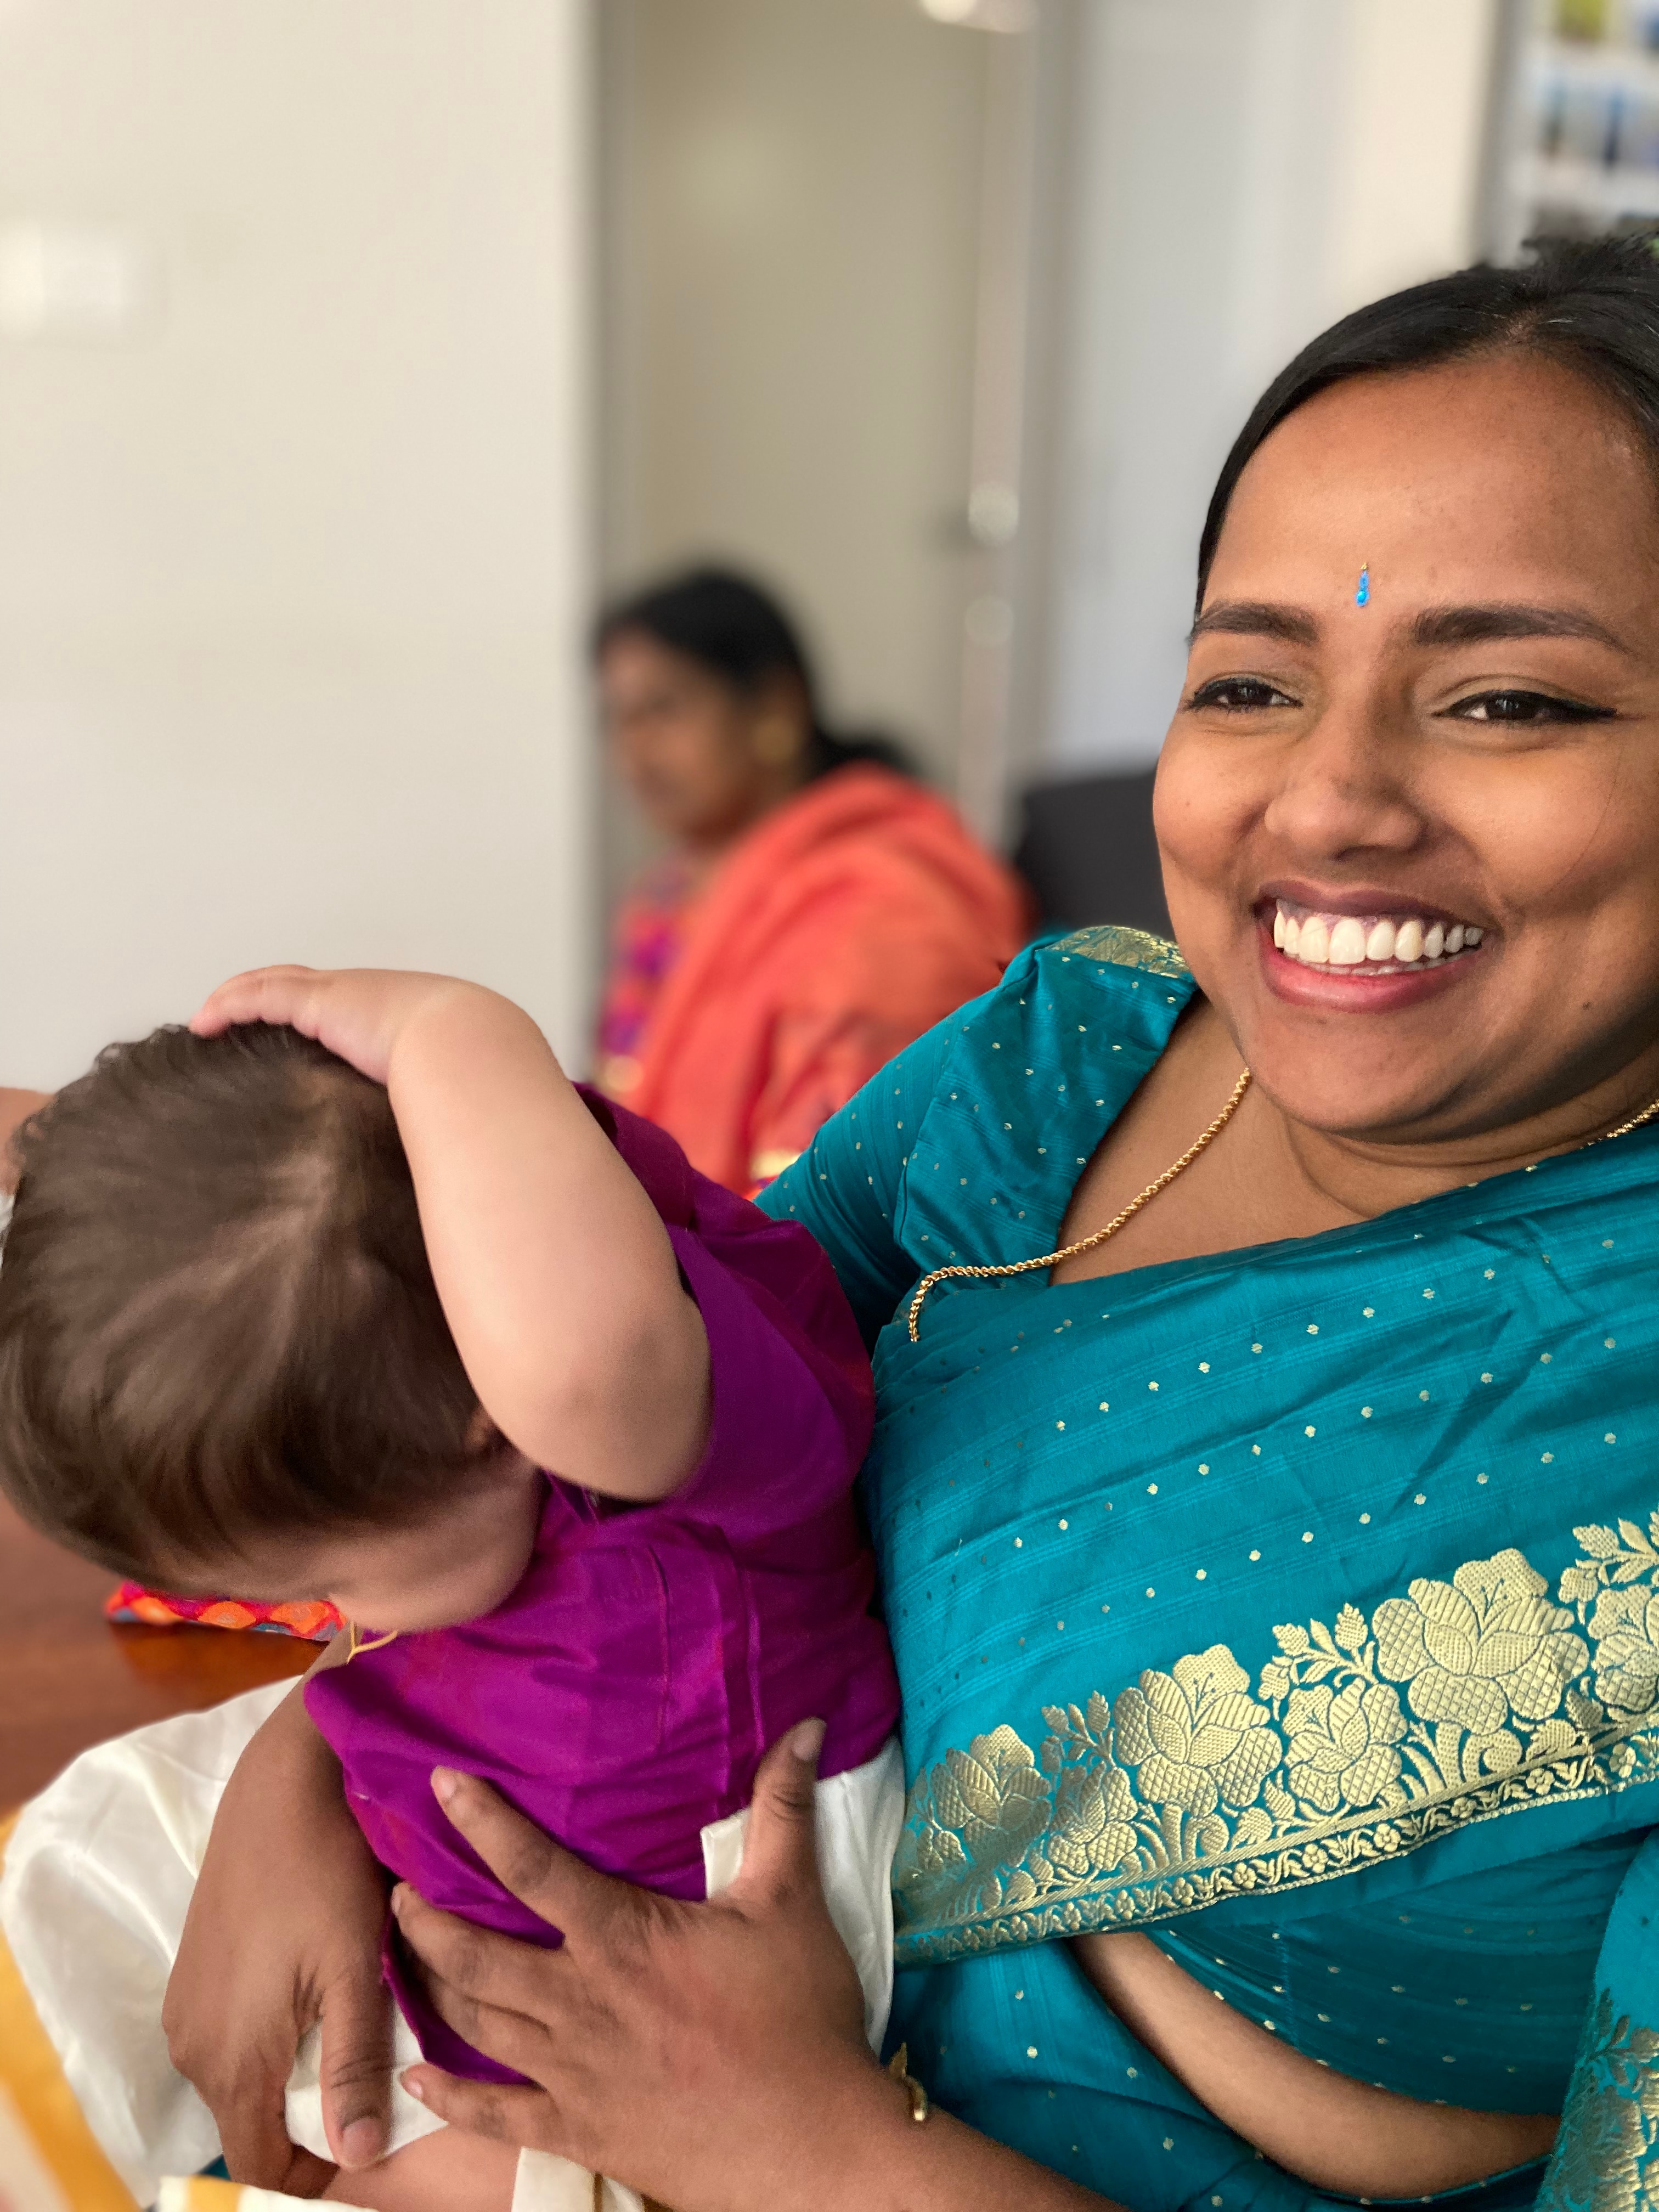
column 69, row 1679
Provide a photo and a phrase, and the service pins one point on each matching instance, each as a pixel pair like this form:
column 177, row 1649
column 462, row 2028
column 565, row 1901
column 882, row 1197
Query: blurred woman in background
column 817, row 909
column 15, row 1106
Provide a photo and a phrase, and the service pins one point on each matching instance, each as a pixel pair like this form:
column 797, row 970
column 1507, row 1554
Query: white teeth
column 1347, row 940
column 1347, row 943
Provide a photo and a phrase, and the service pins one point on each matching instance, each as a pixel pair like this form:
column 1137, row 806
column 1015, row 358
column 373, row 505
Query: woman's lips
column 1369, row 945
column 1372, row 963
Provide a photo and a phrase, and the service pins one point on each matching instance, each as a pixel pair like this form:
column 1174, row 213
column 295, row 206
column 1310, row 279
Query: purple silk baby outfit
column 622, row 1695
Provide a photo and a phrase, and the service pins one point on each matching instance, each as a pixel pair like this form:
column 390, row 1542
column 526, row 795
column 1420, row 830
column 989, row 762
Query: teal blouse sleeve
column 845, row 1187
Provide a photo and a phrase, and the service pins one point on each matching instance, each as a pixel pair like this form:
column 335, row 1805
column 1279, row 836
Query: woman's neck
column 705, row 847
column 1268, row 1176
column 1363, row 1177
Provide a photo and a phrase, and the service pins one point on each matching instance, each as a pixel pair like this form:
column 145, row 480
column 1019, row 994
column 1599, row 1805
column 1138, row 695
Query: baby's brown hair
column 218, row 1319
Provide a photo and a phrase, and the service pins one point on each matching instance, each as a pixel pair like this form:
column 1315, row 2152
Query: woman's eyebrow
column 1257, row 618
column 1435, row 626
column 1474, row 625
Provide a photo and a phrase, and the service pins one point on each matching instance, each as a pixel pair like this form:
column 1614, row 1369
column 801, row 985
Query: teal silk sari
column 1298, row 1604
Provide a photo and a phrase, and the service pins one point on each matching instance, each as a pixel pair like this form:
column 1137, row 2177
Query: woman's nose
column 1344, row 787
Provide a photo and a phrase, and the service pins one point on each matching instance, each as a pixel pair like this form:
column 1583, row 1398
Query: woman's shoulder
column 1112, row 944
column 881, row 841
column 1072, row 1013
column 1025, row 1082
column 1084, row 984
column 968, row 1143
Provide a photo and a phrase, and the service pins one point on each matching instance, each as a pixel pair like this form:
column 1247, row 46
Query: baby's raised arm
column 557, row 1278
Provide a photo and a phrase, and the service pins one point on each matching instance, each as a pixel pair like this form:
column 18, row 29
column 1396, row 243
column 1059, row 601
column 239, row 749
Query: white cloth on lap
column 98, row 1879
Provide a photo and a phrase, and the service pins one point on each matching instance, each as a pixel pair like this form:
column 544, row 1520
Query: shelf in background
column 1606, row 68
column 1596, row 188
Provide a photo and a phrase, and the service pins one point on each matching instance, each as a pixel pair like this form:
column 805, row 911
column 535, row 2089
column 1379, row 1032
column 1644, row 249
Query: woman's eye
column 1523, row 707
column 1240, row 694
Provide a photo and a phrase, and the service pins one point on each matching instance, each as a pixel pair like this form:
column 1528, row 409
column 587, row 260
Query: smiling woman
column 1278, row 1599
column 1358, row 1371
column 1270, row 1548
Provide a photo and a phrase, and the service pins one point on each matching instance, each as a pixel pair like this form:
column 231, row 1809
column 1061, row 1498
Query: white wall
column 1246, row 172
column 792, row 259
column 293, row 556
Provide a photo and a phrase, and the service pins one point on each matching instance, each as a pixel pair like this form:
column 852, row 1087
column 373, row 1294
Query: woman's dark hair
column 730, row 626
column 218, row 1319
column 1591, row 305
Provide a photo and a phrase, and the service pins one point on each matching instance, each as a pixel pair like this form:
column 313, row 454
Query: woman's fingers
column 253, row 2134
column 483, row 2108
column 357, row 2069
column 780, row 1851
column 565, row 1891
column 469, row 1970
column 496, row 1993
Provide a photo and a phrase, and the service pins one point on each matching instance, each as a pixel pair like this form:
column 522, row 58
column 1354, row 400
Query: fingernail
column 398, row 1896
column 806, row 1741
column 361, row 2143
column 417, row 2089
column 445, row 1783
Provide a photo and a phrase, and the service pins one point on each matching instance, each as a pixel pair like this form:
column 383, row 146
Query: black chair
column 1086, row 848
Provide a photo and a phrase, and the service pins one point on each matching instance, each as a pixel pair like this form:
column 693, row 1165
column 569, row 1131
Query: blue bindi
column 1362, row 597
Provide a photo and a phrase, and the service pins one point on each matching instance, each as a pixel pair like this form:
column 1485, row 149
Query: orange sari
column 850, row 920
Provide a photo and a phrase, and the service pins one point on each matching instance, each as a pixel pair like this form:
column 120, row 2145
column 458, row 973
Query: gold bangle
column 898, row 2066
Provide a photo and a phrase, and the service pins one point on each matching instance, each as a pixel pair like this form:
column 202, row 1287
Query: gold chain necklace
column 1624, row 1128
column 1175, row 1167
column 1088, row 1243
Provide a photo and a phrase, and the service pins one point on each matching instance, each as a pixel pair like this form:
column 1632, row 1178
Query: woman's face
column 1470, row 759
column 702, row 759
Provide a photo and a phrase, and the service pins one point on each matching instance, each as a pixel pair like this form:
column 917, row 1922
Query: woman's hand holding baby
column 711, row 2054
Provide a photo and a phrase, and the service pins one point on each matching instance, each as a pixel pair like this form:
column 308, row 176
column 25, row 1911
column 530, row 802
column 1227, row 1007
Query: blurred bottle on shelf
column 1584, row 22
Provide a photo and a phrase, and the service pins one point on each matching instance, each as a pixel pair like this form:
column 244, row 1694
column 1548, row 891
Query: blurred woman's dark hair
column 738, row 632
column 1592, row 305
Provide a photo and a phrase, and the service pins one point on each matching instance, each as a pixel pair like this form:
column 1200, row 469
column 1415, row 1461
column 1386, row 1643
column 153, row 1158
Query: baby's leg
column 447, row 2172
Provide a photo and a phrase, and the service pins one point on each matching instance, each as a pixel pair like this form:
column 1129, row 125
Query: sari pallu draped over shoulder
column 1299, row 1605
column 839, row 928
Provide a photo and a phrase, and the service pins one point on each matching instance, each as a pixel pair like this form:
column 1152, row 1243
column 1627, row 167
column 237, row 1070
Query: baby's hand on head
column 357, row 1012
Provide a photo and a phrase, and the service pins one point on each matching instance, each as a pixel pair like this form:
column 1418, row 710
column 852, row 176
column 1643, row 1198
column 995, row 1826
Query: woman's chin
column 1362, row 1083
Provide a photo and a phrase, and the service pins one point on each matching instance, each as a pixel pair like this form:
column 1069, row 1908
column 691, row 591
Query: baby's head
column 223, row 1362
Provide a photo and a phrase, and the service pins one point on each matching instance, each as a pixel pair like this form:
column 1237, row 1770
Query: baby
column 347, row 1293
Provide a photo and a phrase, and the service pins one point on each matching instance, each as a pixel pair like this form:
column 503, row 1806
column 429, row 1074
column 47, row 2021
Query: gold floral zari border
column 1116, row 946
column 1360, row 1742
column 1604, row 2157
